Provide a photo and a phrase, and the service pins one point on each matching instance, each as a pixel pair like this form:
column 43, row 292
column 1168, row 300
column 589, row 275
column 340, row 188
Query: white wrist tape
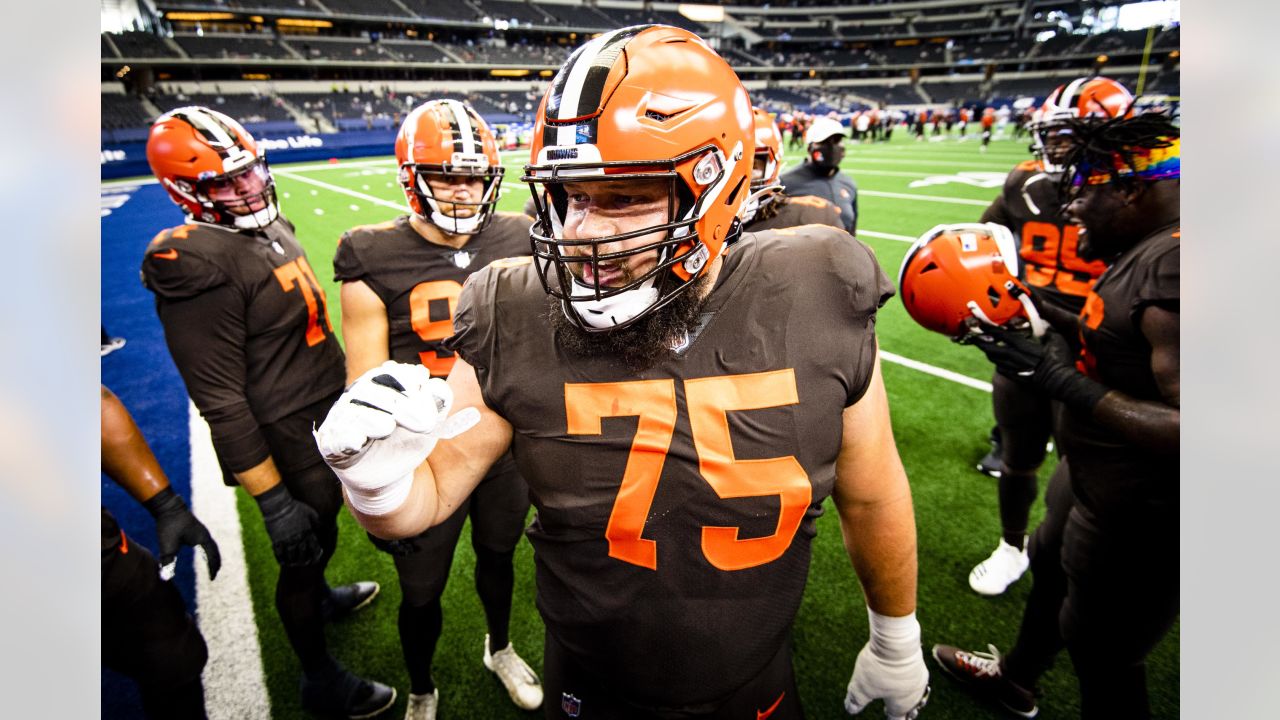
column 382, row 500
column 894, row 638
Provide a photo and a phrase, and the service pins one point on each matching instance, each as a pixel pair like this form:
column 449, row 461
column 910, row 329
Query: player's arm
column 1151, row 424
column 873, row 499
column 128, row 460
column 206, row 336
column 401, row 472
column 364, row 329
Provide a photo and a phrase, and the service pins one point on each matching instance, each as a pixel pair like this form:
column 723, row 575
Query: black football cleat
column 346, row 695
column 990, row 463
column 346, row 599
column 983, row 674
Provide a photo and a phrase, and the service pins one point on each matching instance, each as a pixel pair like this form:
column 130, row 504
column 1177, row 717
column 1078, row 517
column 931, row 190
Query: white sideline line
column 234, row 683
column 936, row 371
column 885, row 236
column 341, row 190
column 925, row 198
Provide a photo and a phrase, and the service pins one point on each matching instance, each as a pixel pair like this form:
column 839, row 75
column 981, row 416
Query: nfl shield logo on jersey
column 462, row 258
column 571, row 705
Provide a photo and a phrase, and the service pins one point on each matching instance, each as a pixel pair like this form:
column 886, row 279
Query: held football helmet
column 961, row 271
column 769, row 154
column 212, row 168
column 638, row 104
column 442, row 139
column 1097, row 97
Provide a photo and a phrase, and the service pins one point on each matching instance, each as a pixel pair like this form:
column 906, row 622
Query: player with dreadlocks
column 1105, row 559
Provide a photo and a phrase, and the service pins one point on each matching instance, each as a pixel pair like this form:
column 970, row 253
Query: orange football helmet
column 445, row 139
column 212, row 168
column 768, row 155
column 1098, row 98
column 958, row 272
column 638, row 104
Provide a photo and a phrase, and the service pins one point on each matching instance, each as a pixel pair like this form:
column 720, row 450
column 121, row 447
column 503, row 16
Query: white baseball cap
column 823, row 128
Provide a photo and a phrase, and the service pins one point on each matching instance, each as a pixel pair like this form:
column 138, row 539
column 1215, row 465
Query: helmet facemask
column 681, row 255
column 251, row 185
column 765, row 188
column 415, row 179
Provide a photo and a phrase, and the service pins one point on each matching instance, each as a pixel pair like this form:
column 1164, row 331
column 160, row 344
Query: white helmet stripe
column 214, row 129
column 1068, row 100
column 462, row 120
column 577, row 80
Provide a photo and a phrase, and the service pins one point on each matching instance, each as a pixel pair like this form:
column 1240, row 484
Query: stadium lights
column 297, row 22
column 1102, row 59
column 123, row 71
column 1175, row 55
column 505, row 72
column 546, row 73
column 701, row 13
column 198, row 16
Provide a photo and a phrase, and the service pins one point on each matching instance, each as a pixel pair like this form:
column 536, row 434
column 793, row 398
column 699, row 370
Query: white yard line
column 936, row 371
column 885, row 236
column 234, row 684
column 342, row 191
column 925, row 198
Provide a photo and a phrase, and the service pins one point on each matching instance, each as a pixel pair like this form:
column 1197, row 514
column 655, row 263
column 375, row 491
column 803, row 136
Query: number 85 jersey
column 675, row 507
column 419, row 281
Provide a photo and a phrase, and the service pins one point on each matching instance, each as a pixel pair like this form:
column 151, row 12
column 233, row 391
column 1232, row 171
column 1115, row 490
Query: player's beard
column 643, row 344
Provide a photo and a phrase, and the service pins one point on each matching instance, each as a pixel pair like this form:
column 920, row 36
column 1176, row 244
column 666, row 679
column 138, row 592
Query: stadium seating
column 141, row 45
column 123, row 111
column 949, row 93
column 417, row 51
column 355, row 49
column 232, row 46
column 107, row 50
column 456, row 11
column 369, row 8
column 523, row 12
column 245, row 108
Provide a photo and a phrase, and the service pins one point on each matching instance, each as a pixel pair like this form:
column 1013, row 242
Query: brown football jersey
column 676, row 506
column 419, row 281
column 1113, row 478
column 248, row 327
column 793, row 211
column 1030, row 205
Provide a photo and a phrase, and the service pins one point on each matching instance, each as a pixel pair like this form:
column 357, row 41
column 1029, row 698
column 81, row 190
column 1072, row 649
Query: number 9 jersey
column 676, row 506
column 419, row 281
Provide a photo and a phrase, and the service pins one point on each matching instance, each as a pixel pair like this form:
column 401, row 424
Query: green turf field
column 941, row 426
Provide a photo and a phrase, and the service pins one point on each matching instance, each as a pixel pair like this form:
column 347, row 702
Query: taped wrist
column 894, row 639
column 381, row 500
column 1066, row 384
column 165, row 502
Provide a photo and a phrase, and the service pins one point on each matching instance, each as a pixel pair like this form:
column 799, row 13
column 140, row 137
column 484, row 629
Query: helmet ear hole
column 993, row 295
column 928, row 268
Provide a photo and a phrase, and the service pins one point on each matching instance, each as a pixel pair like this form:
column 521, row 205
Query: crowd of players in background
column 263, row 391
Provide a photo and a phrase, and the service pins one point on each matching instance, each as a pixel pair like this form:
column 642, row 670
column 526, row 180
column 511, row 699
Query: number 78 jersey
column 676, row 506
column 419, row 281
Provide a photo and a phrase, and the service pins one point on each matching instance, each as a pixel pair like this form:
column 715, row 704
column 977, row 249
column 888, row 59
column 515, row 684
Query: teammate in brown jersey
column 1105, row 559
column 1031, row 206
column 679, row 422
column 768, row 207
column 400, row 283
column 248, row 328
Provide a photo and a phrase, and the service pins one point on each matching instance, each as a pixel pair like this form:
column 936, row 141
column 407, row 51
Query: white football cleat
column 423, row 707
column 995, row 574
column 522, row 684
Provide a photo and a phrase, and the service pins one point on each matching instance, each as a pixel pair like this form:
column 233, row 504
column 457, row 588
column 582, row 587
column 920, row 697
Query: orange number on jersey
column 298, row 274
column 709, row 401
column 654, row 402
column 432, row 331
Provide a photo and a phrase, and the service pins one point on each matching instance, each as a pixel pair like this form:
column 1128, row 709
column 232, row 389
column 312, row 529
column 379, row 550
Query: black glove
column 291, row 525
column 1047, row 366
column 396, row 548
column 176, row 527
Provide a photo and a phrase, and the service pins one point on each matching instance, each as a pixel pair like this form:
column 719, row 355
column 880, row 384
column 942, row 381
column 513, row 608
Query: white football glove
column 382, row 428
column 891, row 667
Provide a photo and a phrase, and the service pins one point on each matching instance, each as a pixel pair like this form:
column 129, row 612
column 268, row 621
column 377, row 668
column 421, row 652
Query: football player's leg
column 1122, row 598
column 300, row 591
column 422, row 566
column 148, row 635
column 499, row 507
column 1039, row 637
column 1025, row 420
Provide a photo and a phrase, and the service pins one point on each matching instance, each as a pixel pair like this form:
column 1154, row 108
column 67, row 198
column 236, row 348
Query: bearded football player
column 400, row 284
column 1105, row 577
column 678, row 421
column 247, row 325
column 1031, row 206
column 768, row 207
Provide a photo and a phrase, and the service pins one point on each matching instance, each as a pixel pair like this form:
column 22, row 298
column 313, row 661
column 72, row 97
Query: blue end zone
column 144, row 377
